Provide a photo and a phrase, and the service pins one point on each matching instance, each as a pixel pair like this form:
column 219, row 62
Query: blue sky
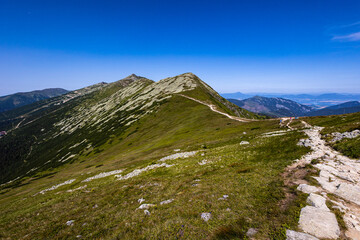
column 249, row 46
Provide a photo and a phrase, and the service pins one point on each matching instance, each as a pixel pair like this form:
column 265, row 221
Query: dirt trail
column 339, row 176
column 213, row 108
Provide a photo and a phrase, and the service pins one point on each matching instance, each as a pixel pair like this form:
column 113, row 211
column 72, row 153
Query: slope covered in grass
column 107, row 208
column 95, row 193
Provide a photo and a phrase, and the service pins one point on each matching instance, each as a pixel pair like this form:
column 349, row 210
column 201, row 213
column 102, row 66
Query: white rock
column 319, row 223
column 141, row 200
column 224, row 197
column 76, row 189
column 206, row 216
column 103, row 174
column 349, row 192
column 307, row 188
column 70, row 222
column 244, row 143
column 251, row 232
column 178, row 155
column 146, row 206
column 203, row 162
column 166, row 201
column 137, row 172
column 292, row 235
column 146, row 212
column 57, row 186
column 317, row 201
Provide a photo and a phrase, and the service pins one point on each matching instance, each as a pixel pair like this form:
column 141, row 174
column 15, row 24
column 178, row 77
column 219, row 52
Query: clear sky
column 249, row 46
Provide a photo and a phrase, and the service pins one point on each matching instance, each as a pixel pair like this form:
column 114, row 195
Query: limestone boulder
column 319, row 223
column 292, row 235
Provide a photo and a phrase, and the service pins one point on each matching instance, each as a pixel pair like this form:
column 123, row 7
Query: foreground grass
column 106, row 208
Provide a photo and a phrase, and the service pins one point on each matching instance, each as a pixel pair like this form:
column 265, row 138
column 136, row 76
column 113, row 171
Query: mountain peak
column 132, row 77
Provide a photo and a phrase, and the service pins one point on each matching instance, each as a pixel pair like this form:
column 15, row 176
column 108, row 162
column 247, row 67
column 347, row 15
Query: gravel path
column 340, row 176
column 213, row 108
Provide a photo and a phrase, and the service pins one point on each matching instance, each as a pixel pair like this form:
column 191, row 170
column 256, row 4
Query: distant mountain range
column 273, row 107
column 24, row 98
column 280, row 107
column 314, row 100
column 348, row 107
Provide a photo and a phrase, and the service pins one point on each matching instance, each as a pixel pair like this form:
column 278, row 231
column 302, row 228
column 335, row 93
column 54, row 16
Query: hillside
column 77, row 119
column 344, row 108
column 274, row 107
column 138, row 159
column 24, row 98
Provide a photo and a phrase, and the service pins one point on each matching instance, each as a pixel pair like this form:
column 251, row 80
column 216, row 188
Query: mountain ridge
column 103, row 108
column 19, row 99
column 273, row 107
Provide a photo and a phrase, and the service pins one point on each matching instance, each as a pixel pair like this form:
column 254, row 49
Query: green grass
column 349, row 147
column 336, row 123
column 249, row 174
column 253, row 197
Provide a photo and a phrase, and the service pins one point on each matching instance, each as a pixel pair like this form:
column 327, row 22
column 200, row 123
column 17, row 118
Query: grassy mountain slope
column 107, row 208
column 61, row 129
column 24, row 98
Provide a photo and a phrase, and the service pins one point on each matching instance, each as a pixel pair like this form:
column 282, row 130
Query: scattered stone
column 203, row 162
column 244, row 132
column 137, row 172
column 307, row 188
column 251, row 232
column 75, row 189
column 228, row 210
column 57, row 186
column 102, row 175
column 79, row 236
column 317, row 201
column 70, row 222
column 292, row 235
column 244, row 143
column 203, row 154
column 224, row 197
column 304, row 142
column 178, row 155
column 146, row 206
column 146, row 212
column 166, row 201
column 95, row 206
column 141, row 200
column 206, row 216
column 339, row 136
column 176, row 150
column 319, row 223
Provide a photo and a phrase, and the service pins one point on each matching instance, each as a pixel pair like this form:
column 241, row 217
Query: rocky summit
column 172, row 159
